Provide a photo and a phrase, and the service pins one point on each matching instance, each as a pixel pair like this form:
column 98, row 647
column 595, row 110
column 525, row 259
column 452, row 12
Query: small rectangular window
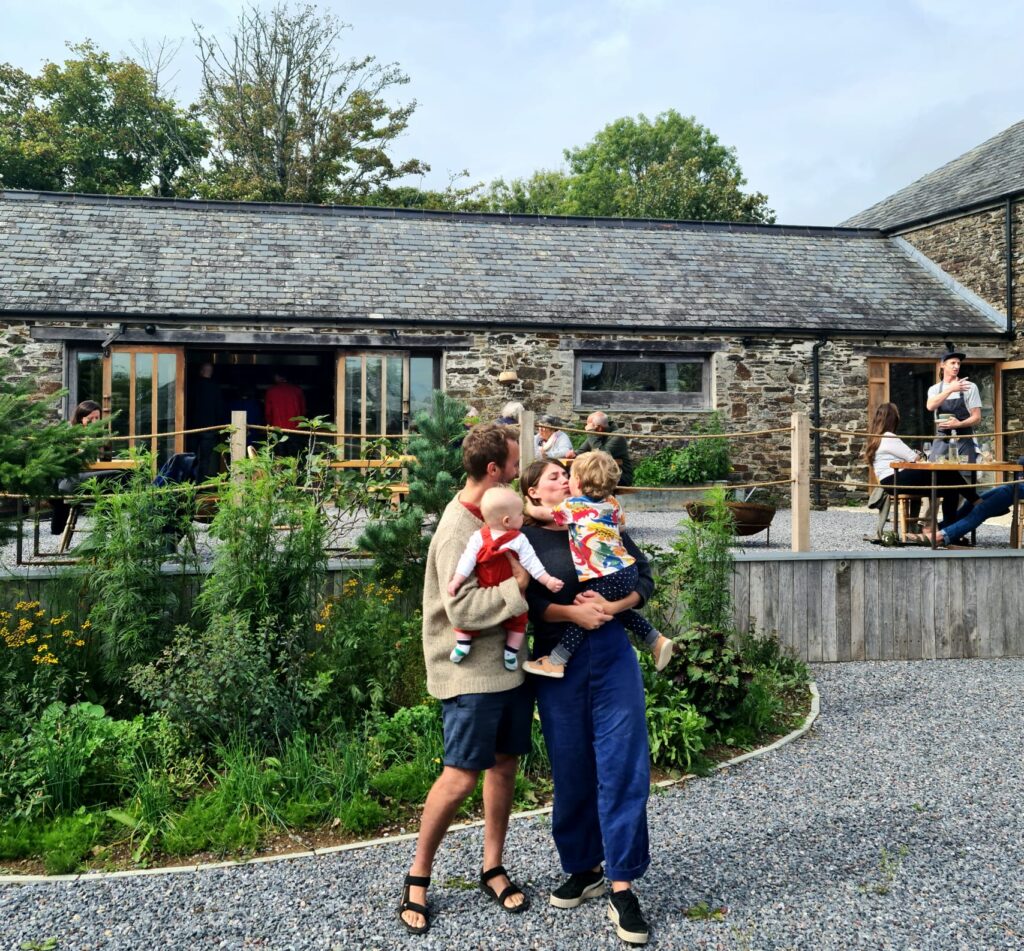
column 643, row 380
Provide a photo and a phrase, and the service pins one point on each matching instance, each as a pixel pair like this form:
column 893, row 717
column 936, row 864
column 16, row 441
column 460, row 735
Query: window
column 624, row 381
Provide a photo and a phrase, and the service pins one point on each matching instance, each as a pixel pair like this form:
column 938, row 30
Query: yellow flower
column 31, row 640
column 319, row 628
column 40, row 613
column 86, row 625
column 79, row 643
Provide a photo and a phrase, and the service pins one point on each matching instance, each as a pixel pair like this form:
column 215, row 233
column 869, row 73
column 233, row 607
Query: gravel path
column 895, row 823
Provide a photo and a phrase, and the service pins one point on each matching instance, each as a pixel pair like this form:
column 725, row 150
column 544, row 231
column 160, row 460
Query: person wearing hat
column 956, row 403
column 551, row 442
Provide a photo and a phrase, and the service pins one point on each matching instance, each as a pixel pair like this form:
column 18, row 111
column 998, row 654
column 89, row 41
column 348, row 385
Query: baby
column 594, row 518
column 502, row 510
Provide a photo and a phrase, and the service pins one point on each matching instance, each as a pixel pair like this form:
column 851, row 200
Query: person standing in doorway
column 208, row 409
column 956, row 403
column 284, row 406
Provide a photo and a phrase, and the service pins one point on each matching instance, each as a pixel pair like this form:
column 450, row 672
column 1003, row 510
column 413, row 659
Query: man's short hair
column 597, row 473
column 484, row 444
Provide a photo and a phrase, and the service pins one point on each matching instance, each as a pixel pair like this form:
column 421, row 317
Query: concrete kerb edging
column 405, row 837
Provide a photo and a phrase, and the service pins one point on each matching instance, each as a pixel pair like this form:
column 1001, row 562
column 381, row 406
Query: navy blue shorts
column 479, row 725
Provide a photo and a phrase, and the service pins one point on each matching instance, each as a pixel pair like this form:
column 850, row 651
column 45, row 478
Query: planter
column 658, row 499
column 750, row 517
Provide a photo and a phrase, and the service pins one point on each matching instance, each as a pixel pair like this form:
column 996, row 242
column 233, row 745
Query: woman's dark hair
column 83, row 409
column 886, row 419
column 532, row 475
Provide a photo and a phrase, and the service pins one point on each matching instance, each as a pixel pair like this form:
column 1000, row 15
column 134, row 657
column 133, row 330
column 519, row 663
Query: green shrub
column 19, row 838
column 763, row 707
column 238, row 674
column 68, row 841
column 134, row 603
column 676, row 731
column 766, row 652
column 412, row 733
column 405, row 782
column 360, row 814
column 696, row 462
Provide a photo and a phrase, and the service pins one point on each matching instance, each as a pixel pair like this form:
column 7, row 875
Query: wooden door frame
column 179, row 391
column 339, row 390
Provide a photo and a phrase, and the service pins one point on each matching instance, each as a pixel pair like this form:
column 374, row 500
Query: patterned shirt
column 594, row 538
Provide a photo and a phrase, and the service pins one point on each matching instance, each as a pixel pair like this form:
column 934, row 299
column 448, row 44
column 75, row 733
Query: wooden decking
column 918, row 605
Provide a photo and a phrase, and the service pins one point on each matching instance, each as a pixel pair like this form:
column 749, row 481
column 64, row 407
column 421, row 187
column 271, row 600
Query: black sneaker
column 577, row 888
column 630, row 924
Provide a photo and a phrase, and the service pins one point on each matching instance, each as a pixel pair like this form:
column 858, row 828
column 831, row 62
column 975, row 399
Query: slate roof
column 190, row 260
column 989, row 171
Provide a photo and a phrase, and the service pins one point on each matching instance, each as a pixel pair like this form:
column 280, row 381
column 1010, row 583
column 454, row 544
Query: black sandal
column 512, row 889
column 422, row 881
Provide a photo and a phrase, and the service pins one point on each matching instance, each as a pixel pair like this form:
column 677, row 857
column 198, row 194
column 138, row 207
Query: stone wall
column 757, row 385
column 41, row 362
column 972, row 248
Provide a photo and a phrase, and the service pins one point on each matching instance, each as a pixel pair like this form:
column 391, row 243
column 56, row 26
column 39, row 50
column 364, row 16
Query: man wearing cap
column 956, row 402
column 602, row 440
column 551, row 442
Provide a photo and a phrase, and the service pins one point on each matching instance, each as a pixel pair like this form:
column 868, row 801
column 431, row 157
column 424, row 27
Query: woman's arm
column 589, row 615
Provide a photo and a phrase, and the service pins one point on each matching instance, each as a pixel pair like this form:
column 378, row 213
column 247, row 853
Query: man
column 207, row 410
column 283, row 405
column 487, row 710
column 615, row 446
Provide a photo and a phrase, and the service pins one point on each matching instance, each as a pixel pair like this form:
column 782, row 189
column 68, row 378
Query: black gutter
column 983, row 204
column 508, row 323
column 816, row 413
column 1009, row 267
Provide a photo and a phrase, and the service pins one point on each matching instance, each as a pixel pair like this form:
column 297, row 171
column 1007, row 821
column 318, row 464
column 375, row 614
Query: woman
column 86, row 412
column 551, row 442
column 956, row 403
column 884, row 448
column 594, row 723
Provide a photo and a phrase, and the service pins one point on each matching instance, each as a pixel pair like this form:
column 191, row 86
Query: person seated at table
column 600, row 439
column 969, row 516
column 86, row 413
column 551, row 442
column 885, row 447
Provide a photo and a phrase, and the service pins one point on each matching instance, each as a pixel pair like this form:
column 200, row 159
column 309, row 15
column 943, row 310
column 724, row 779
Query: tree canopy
column 673, row 167
column 291, row 120
column 94, row 124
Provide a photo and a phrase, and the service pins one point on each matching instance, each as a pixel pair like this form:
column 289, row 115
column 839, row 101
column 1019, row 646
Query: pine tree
column 399, row 542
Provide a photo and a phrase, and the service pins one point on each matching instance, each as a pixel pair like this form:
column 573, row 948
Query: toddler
column 594, row 518
column 502, row 510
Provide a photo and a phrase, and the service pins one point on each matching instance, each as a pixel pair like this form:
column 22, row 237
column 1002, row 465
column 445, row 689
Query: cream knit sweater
column 473, row 609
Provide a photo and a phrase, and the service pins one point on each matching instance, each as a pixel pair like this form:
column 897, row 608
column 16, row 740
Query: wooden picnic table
column 973, row 467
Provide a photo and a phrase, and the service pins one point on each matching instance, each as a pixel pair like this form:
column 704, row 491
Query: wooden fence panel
column 853, row 606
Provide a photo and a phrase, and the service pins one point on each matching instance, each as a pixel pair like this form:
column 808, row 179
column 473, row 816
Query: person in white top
column 956, row 403
column 551, row 442
column 885, row 447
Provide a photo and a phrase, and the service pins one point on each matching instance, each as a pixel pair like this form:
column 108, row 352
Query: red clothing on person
column 492, row 568
column 285, row 402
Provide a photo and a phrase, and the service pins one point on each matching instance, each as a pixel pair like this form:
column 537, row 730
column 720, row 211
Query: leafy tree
column 673, row 167
column 34, row 452
column 452, row 198
column 95, row 124
column 292, row 121
column 545, row 192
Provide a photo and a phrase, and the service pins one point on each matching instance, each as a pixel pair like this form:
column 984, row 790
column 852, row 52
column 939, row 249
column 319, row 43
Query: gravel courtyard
column 894, row 824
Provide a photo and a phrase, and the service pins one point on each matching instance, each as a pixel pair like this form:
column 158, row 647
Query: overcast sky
column 831, row 104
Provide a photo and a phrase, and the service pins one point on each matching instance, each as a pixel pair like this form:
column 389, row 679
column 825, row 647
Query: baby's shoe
column 662, row 650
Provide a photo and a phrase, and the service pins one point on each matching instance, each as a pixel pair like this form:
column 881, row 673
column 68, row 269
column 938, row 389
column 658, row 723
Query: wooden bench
column 397, row 489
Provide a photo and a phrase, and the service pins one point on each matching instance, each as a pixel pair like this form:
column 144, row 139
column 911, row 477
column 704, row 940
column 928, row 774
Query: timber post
column 800, row 488
column 526, row 431
column 239, row 425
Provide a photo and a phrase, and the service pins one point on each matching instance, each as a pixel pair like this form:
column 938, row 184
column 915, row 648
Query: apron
column 967, row 448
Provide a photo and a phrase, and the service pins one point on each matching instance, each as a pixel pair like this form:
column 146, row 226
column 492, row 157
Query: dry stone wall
column 757, row 384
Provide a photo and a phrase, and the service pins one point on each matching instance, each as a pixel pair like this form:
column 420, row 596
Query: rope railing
column 935, row 435
column 681, row 435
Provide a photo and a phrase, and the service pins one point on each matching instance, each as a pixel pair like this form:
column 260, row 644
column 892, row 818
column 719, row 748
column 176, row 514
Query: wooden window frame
column 620, row 400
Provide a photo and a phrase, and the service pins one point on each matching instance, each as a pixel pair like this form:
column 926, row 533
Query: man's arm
column 473, row 608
